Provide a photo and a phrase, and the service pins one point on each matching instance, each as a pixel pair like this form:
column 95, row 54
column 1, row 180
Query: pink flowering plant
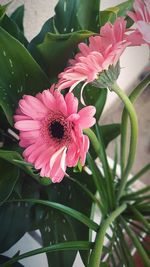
column 54, row 170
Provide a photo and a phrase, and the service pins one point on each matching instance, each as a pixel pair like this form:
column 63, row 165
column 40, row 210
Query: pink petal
column 57, row 173
column 85, row 149
column 55, row 156
column 73, row 117
column 71, row 103
column 86, row 117
column 60, row 103
column 48, row 99
column 84, row 49
column 144, row 29
column 20, row 118
column 27, row 125
column 43, row 158
column 32, row 107
column 72, row 156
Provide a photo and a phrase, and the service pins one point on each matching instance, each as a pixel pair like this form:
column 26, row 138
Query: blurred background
column 134, row 63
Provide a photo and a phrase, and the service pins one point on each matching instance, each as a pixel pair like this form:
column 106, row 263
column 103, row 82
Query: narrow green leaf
column 106, row 168
column 76, row 245
column 115, row 160
column 141, row 218
column 137, row 244
column 138, row 175
column 99, row 181
column 136, row 225
column 138, row 193
column 15, row 80
column 120, row 251
column 73, row 213
column 4, row 259
column 125, row 247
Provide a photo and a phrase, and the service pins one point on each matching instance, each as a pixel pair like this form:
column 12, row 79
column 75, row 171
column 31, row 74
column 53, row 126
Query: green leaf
column 138, row 175
column 77, row 15
column 66, row 210
column 32, row 46
column 18, row 218
column 137, row 243
column 15, row 158
column 57, row 228
column 9, row 175
column 16, row 79
column 3, row 11
column 111, row 14
column 110, row 132
column 140, row 218
column 56, row 49
column 15, row 220
column 10, row 24
column 17, row 16
column 124, row 7
column 82, row 245
column 70, row 194
column 4, row 123
column 12, row 28
column 99, row 181
column 4, row 259
column 96, row 97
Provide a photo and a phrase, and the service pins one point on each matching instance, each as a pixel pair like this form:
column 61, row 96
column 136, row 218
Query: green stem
column 100, row 150
column 97, row 250
column 133, row 96
column 94, row 140
column 134, row 133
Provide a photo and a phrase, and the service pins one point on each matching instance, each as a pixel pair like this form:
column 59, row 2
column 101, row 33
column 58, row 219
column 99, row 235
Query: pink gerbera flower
column 51, row 130
column 103, row 51
column 141, row 16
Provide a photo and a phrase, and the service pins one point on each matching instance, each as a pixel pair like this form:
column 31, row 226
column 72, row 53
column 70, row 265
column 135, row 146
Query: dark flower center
column 56, row 129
